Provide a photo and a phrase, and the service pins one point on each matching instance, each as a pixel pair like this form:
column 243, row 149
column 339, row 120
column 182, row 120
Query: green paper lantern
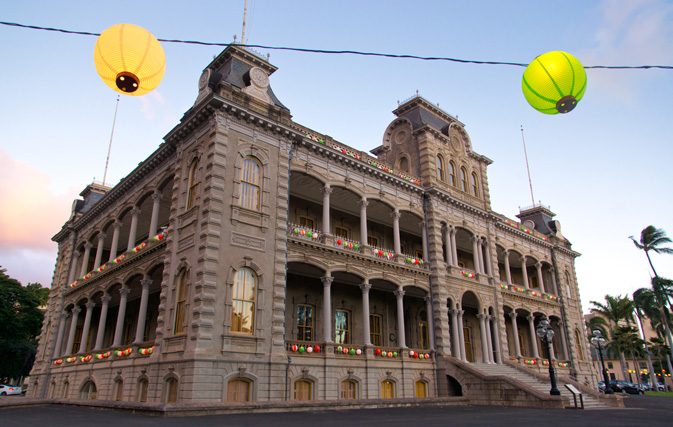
column 554, row 82
column 352, row 351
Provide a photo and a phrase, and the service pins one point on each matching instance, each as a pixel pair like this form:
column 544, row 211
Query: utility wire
column 348, row 52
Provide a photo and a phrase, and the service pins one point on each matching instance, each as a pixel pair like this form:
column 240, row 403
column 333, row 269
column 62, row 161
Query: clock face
column 203, row 81
column 259, row 77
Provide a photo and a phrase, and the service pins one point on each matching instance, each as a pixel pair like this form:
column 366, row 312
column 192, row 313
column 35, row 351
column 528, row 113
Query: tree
column 41, row 293
column 659, row 350
column 625, row 339
column 20, row 325
column 615, row 310
column 652, row 239
column 644, row 304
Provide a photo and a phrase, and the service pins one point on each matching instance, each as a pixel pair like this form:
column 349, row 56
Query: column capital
column 461, row 312
column 399, row 293
column 365, row 287
column 90, row 305
column 481, row 316
column 88, row 245
column 327, row 281
column 363, row 203
column 453, row 312
column 101, row 236
column 327, row 190
column 474, row 238
column 523, row 259
column 157, row 197
column 135, row 212
column 105, row 299
column 124, row 292
column 145, row 283
column 427, row 299
column 117, row 225
column 421, row 224
column 395, row 214
column 530, row 318
column 538, row 265
column 512, row 315
column 452, row 229
column 75, row 310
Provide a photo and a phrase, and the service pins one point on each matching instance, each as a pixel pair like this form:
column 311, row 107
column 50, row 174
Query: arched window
column 452, row 173
column 303, row 390
column 251, row 174
column 387, row 389
column 119, row 389
column 52, row 393
column 88, row 390
column 579, row 344
column 171, row 390
column 475, row 188
column 142, row 390
column 181, row 302
column 193, row 183
column 66, row 385
column 421, row 389
column 349, row 389
column 238, row 390
column 243, row 302
column 404, row 164
column 440, row 168
column 567, row 284
column 463, row 179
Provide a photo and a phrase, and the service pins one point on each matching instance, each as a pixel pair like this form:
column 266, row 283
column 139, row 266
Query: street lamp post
column 546, row 334
column 599, row 342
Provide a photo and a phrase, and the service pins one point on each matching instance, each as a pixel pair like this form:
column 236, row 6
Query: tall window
column 341, row 232
column 475, row 189
column 467, row 333
column 387, row 389
column 533, row 282
column 88, row 390
column 375, row 328
column 119, row 388
column 567, row 284
column 238, row 390
column 78, row 340
column 303, row 390
column 66, row 385
column 373, row 241
column 181, row 298
column 421, row 389
column 349, row 390
column 463, row 179
column 193, row 183
column 142, row 390
column 440, row 168
column 307, row 222
column 304, row 322
column 521, row 342
column 423, row 331
column 452, row 173
column 243, row 302
column 342, row 327
column 578, row 341
column 251, row 173
column 171, row 390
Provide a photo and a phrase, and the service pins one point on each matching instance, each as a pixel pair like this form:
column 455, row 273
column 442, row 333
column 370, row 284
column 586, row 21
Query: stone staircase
column 531, row 381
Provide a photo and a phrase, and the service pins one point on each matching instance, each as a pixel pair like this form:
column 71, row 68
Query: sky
column 601, row 168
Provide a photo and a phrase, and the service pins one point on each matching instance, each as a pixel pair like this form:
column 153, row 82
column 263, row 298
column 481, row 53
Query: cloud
column 31, row 212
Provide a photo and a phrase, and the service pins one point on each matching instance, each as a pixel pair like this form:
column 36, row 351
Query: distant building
column 250, row 258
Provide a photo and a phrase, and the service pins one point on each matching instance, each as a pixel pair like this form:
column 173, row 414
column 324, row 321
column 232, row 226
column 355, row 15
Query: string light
column 345, row 52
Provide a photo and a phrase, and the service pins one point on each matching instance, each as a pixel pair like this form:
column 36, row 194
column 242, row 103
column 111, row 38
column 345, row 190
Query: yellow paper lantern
column 129, row 59
column 554, row 82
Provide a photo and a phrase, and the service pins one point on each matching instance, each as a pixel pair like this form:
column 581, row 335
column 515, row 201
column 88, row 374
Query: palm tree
column 659, row 350
column 615, row 310
column 662, row 289
column 644, row 303
column 625, row 339
column 652, row 239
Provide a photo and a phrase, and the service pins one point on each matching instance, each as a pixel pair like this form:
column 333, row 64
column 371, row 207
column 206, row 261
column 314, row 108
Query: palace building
column 250, row 258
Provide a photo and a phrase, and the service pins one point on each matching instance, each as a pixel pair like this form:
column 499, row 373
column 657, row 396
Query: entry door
column 467, row 331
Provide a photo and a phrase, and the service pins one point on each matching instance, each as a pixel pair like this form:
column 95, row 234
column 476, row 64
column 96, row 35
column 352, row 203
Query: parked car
column 625, row 387
column 6, row 390
column 601, row 386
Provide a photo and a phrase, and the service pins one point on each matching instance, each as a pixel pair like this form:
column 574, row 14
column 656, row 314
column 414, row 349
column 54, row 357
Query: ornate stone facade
column 250, row 258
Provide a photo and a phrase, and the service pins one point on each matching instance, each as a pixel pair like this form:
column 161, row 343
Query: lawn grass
column 659, row 393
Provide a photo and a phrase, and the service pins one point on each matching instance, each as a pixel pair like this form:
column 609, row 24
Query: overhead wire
column 346, row 52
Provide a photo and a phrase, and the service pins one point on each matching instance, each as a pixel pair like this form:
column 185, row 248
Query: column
column 59, row 335
column 524, row 272
column 116, row 227
column 142, row 311
column 87, row 324
column 488, row 260
column 538, row 267
column 454, row 248
column 515, row 332
column 431, row 321
column 73, row 267
column 495, row 331
column 461, row 335
column 508, row 273
column 455, row 338
column 533, row 336
column 85, row 259
column 363, row 221
column 475, row 253
column 489, row 337
column 396, row 231
column 552, row 353
column 327, row 307
column 73, row 327
column 448, row 253
column 105, row 299
column 553, row 282
column 99, row 251
column 154, row 221
column 424, row 236
column 121, row 315
column 401, row 340
column 326, row 191
column 484, row 338
column 365, row 287
column 134, row 228
column 480, row 247
column 564, row 344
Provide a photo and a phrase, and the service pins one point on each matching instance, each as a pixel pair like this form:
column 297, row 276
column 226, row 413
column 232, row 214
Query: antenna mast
column 530, row 183
column 245, row 12
column 111, row 135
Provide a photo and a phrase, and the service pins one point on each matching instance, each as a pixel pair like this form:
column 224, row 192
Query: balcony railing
column 516, row 289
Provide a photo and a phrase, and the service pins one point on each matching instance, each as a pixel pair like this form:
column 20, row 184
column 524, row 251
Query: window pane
column 342, row 327
column 305, row 322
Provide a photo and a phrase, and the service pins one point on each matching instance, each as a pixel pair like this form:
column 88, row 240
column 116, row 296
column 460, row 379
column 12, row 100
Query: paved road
column 642, row 410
